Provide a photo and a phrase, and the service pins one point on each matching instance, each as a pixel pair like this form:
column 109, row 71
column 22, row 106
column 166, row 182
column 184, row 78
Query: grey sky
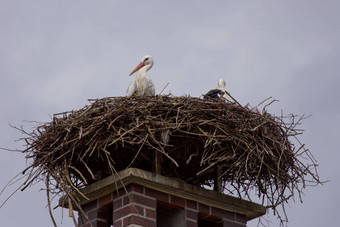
column 54, row 55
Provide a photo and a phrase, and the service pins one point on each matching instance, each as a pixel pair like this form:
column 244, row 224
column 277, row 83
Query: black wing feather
column 214, row 94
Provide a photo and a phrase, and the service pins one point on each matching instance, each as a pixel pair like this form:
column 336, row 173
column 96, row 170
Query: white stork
column 142, row 85
column 219, row 92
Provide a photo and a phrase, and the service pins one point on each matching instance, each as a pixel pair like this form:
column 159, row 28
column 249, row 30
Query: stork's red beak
column 137, row 68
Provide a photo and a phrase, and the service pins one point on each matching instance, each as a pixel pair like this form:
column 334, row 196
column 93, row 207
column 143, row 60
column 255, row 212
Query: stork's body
column 220, row 92
column 142, row 85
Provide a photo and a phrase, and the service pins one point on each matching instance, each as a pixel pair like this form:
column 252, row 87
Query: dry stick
column 126, row 132
column 274, row 100
column 68, row 192
column 261, row 103
column 163, row 152
column 2, row 204
column 80, row 174
column 61, row 156
column 109, row 160
column 11, row 181
column 190, row 157
column 232, row 97
column 305, row 168
column 30, row 182
column 160, row 150
column 6, row 149
column 210, row 166
column 68, row 179
column 88, row 169
column 164, row 88
column 114, row 120
column 70, row 212
column 70, row 196
column 137, row 154
column 48, row 199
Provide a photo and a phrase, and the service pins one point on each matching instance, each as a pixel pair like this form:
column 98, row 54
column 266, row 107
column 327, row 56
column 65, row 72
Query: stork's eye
column 146, row 59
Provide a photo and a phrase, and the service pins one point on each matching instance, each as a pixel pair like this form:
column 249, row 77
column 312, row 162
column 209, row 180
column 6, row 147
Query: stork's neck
column 143, row 70
column 222, row 88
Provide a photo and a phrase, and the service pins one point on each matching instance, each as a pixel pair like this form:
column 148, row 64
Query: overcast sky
column 54, row 55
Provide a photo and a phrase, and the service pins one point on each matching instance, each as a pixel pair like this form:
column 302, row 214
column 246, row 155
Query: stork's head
column 221, row 83
column 146, row 61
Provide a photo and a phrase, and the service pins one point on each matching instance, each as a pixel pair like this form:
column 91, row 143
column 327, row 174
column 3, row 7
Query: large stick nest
column 254, row 149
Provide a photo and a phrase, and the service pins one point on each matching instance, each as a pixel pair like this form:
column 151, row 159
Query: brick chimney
column 135, row 197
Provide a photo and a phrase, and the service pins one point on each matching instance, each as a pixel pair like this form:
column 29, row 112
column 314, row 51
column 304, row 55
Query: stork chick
column 219, row 92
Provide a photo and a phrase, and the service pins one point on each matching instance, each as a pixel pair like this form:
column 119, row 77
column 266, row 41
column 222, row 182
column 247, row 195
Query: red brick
column 131, row 209
column 135, row 188
column 80, row 219
column 177, row 201
column 90, row 206
column 117, row 203
column 85, row 225
column 126, row 200
column 99, row 214
column 203, row 209
column 150, row 213
column 99, row 223
column 209, row 218
column 241, row 218
column 191, row 204
column 160, row 196
column 191, row 214
column 105, row 200
column 119, row 193
column 191, row 224
column 220, row 224
column 118, row 223
column 92, row 215
column 227, row 223
column 140, row 199
column 138, row 221
column 222, row 213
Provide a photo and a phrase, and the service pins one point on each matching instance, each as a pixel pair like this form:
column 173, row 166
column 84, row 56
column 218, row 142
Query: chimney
column 134, row 198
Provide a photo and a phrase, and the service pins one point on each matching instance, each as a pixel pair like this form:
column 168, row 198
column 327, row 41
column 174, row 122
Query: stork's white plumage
column 220, row 92
column 142, row 85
